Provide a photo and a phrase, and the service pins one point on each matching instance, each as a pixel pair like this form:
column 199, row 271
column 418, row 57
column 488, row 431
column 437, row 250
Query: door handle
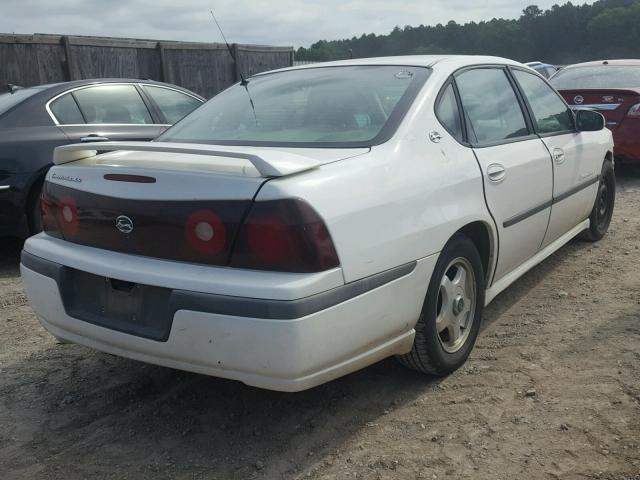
column 558, row 155
column 496, row 172
column 94, row 138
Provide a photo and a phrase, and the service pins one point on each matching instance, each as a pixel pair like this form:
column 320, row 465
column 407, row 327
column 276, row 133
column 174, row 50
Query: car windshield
column 600, row 76
column 321, row 107
column 10, row 100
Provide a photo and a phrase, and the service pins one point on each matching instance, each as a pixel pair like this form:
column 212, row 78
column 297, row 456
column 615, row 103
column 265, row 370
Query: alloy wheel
column 456, row 305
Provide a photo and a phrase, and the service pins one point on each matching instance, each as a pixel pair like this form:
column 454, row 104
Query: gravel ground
column 552, row 390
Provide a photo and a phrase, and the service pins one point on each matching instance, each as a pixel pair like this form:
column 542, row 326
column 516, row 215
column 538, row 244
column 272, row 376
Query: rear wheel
column 602, row 211
column 450, row 319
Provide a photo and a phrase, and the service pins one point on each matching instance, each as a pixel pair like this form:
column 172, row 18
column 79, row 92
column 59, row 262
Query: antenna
column 244, row 81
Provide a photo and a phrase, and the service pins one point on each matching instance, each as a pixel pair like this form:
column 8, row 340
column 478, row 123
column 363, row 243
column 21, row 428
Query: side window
column 173, row 104
column 490, row 105
column 118, row 104
column 448, row 113
column 66, row 110
column 550, row 112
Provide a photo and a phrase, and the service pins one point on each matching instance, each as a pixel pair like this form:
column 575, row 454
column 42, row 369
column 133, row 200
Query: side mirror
column 589, row 121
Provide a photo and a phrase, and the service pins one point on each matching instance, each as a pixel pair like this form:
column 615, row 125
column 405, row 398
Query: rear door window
column 113, row 104
column 491, row 106
column 174, row 105
column 66, row 110
column 550, row 113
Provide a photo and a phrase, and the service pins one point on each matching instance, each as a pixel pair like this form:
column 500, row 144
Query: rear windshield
column 10, row 100
column 315, row 107
column 600, row 76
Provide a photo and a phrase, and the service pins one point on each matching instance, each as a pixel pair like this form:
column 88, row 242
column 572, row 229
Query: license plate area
column 133, row 308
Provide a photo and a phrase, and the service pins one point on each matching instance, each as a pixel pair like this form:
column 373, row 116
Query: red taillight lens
column 51, row 210
column 634, row 111
column 284, row 235
column 68, row 220
column 194, row 231
column 205, row 232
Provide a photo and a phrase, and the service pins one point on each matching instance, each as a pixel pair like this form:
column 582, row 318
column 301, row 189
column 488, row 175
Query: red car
column 612, row 87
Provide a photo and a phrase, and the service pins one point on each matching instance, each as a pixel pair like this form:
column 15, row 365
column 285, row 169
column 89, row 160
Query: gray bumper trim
column 244, row 306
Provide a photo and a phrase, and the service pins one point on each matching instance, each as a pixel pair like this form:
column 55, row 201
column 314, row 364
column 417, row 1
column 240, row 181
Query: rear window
column 325, row 106
column 10, row 100
column 599, row 76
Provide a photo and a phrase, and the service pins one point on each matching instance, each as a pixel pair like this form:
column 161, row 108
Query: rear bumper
column 286, row 345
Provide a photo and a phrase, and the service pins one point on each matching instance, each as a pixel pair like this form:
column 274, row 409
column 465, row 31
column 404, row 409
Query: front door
column 575, row 169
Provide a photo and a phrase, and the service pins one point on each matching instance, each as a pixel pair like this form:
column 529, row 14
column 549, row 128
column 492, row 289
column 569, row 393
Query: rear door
column 515, row 163
column 575, row 164
column 114, row 111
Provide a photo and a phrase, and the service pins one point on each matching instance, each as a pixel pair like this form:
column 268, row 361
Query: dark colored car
column 612, row 87
column 35, row 120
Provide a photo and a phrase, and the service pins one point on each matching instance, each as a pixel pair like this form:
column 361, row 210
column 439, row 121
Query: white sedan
column 317, row 219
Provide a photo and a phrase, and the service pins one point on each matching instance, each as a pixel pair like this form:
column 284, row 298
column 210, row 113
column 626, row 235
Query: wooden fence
column 204, row 68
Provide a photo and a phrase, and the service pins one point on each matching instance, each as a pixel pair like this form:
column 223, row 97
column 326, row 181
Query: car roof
column 452, row 62
column 55, row 88
column 631, row 62
column 539, row 64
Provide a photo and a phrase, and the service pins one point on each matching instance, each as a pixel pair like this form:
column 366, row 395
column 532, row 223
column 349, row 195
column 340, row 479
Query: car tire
column 602, row 211
column 450, row 298
column 34, row 213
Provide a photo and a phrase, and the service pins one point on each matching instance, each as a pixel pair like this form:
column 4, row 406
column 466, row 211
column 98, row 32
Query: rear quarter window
column 448, row 114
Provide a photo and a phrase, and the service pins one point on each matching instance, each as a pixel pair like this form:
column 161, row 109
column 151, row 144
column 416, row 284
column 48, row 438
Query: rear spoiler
column 268, row 164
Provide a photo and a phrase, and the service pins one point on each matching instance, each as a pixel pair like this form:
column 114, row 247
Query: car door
column 575, row 165
column 515, row 163
column 113, row 111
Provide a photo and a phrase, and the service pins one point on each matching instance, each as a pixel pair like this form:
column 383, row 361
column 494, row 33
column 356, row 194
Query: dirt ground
column 551, row 391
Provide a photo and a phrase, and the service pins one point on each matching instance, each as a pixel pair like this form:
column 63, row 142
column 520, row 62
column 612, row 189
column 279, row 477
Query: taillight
column 49, row 211
column 205, row 232
column 284, row 235
column 634, row 111
column 68, row 216
column 59, row 216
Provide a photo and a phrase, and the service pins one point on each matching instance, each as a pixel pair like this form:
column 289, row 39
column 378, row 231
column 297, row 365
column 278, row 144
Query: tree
column 532, row 11
column 564, row 33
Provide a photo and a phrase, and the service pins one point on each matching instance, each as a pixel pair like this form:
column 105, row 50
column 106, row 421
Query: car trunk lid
column 180, row 203
column 612, row 103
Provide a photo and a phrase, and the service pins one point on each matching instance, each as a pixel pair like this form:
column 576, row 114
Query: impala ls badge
column 578, row 99
column 124, row 224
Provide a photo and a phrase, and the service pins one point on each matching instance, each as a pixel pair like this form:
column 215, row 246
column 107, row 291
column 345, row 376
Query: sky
column 268, row 22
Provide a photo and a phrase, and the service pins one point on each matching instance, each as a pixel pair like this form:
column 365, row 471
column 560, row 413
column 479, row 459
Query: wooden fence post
column 164, row 75
column 68, row 59
column 236, row 65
